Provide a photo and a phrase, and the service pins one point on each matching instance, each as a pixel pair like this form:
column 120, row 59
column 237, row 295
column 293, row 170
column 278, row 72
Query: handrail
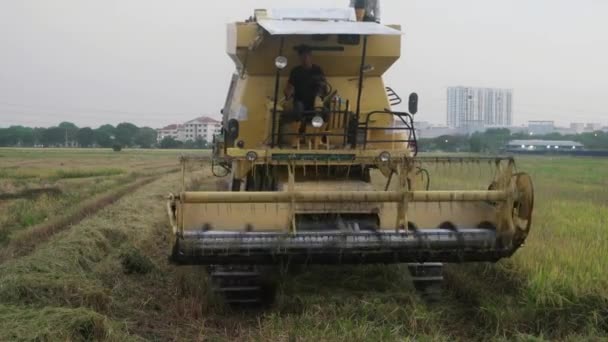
column 408, row 126
column 406, row 119
column 393, row 98
column 328, row 114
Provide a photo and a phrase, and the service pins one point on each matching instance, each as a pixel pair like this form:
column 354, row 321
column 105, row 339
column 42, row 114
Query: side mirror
column 413, row 104
column 232, row 131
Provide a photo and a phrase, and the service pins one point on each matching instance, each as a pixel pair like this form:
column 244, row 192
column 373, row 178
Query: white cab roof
column 342, row 14
column 300, row 21
column 309, row 27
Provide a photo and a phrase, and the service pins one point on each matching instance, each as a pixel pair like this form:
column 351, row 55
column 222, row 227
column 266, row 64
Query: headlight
column 252, row 156
column 317, row 122
column 385, row 157
column 280, row 62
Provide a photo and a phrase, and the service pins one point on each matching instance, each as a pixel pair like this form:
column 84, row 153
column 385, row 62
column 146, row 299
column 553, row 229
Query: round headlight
column 252, row 156
column 317, row 122
column 385, row 157
column 280, row 62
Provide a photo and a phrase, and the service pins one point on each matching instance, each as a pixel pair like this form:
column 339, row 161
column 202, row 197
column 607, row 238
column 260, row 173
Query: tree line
column 495, row 140
column 67, row 134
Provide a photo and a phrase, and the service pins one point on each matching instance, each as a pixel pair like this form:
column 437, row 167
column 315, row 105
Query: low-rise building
column 200, row 128
column 543, row 146
column 203, row 127
column 593, row 127
column 171, row 131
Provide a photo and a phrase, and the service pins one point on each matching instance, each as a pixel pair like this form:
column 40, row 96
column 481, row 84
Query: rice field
column 105, row 275
column 40, row 186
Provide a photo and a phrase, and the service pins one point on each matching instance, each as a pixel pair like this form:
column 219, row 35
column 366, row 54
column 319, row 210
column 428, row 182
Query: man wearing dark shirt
column 305, row 82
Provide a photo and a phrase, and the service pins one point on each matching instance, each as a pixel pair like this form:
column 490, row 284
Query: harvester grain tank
column 306, row 191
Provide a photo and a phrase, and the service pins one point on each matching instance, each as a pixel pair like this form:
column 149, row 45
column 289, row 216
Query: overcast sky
column 154, row 62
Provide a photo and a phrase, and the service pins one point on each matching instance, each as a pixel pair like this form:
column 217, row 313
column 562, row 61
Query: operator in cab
column 306, row 82
column 367, row 10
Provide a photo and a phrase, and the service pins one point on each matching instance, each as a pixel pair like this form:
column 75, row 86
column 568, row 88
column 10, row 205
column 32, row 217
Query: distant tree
column 452, row 143
column 169, row 143
column 490, row 141
column 200, row 143
column 125, row 134
column 146, row 137
column 520, row 136
column 68, row 125
column 85, row 137
column 38, row 133
column 53, row 136
column 553, row 136
column 25, row 135
column 476, row 142
column 70, row 131
column 426, row 145
column 102, row 138
column 108, row 129
column 4, row 137
column 593, row 141
column 189, row 145
column 17, row 136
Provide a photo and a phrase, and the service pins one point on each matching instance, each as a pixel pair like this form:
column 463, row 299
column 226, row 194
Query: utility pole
column 66, row 138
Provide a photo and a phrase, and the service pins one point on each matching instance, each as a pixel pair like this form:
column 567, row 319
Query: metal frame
column 208, row 197
column 406, row 119
column 276, row 94
column 321, row 112
column 361, row 72
column 275, row 134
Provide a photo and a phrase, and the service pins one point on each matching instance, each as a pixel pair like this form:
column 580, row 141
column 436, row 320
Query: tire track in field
column 79, row 271
column 34, row 236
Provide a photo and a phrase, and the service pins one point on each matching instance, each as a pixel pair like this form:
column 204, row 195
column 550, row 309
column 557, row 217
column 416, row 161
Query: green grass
column 17, row 174
column 88, row 283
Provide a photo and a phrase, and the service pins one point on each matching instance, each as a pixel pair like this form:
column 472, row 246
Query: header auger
column 335, row 181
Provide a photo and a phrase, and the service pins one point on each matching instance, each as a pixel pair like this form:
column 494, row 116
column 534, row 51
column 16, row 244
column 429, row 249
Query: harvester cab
column 341, row 181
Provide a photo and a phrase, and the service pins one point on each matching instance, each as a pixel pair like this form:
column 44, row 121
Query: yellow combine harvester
column 300, row 187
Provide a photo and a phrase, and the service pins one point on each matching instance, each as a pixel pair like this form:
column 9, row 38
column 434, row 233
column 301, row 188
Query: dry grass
column 81, row 267
column 42, row 190
column 24, row 241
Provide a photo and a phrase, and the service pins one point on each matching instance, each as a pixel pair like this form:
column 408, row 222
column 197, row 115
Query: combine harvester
column 301, row 190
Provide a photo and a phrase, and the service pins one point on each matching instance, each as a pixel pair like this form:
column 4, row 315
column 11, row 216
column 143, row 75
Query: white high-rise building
column 472, row 108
